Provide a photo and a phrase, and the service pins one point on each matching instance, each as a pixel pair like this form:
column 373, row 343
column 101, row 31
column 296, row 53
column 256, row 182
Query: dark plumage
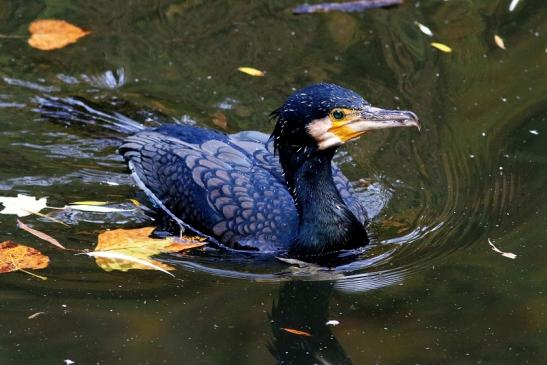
column 248, row 191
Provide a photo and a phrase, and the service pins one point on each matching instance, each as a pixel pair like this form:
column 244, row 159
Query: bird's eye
column 338, row 114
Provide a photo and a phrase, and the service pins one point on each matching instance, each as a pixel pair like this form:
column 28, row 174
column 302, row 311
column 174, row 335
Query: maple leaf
column 125, row 249
column 22, row 205
column 15, row 257
column 50, row 34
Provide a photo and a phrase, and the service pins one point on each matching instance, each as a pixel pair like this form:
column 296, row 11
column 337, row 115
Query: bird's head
column 325, row 116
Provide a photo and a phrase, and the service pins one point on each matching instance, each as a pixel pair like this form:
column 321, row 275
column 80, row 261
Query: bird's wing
column 215, row 186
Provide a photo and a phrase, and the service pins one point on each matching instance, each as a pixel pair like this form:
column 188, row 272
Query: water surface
column 430, row 290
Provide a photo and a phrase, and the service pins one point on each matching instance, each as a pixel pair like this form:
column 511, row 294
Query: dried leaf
column 97, row 208
column 35, row 315
column 125, row 249
column 505, row 254
column 40, row 235
column 499, row 41
column 441, row 47
column 251, row 71
column 50, row 34
column 424, row 29
column 220, row 120
column 22, row 205
column 348, row 6
column 14, row 257
column 296, row 332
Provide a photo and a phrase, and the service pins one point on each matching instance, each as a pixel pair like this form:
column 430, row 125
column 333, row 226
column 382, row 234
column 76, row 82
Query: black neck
column 325, row 222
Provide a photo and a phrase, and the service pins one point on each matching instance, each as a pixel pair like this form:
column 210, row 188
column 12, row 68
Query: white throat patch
column 319, row 130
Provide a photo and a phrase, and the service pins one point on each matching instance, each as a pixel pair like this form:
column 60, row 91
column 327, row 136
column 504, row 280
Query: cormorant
column 251, row 191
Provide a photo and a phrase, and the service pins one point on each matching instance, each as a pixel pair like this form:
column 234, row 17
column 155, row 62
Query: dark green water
column 430, row 291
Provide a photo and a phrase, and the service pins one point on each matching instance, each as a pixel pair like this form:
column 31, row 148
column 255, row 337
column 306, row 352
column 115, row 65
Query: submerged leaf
column 297, row 332
column 220, row 120
column 251, row 71
column 14, row 257
column 441, row 47
column 49, row 34
column 499, row 41
column 40, row 235
column 22, row 205
column 125, row 249
column 115, row 256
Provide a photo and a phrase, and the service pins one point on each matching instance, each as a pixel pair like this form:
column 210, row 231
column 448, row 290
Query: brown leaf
column 296, row 332
column 14, row 257
column 50, row 34
column 137, row 247
column 40, row 235
column 220, row 120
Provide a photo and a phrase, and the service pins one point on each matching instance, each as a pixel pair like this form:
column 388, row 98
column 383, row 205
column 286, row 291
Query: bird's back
column 229, row 188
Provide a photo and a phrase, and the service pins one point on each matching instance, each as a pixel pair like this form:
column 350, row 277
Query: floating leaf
column 348, row 6
column 499, row 41
column 22, row 205
column 424, row 29
column 15, row 257
column 441, row 47
column 89, row 202
column 296, row 332
column 251, row 71
column 35, row 315
column 49, row 34
column 125, row 249
column 135, row 202
column 40, row 235
column 513, row 5
column 505, row 254
column 97, row 208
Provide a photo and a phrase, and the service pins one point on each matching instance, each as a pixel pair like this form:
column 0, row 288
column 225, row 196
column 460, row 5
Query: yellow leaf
column 499, row 41
column 89, row 202
column 125, row 249
column 135, row 202
column 14, row 257
column 251, row 71
column 49, row 34
column 441, row 47
column 296, row 332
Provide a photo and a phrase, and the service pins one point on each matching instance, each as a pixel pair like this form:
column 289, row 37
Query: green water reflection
column 436, row 294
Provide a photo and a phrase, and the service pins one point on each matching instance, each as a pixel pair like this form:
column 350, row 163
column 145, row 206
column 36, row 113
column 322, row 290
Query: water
column 429, row 291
